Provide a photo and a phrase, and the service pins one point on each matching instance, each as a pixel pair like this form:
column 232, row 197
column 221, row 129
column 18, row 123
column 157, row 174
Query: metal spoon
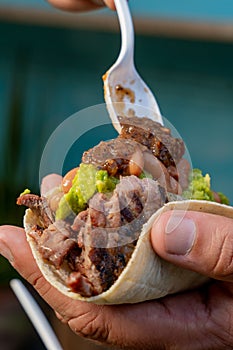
column 126, row 94
column 36, row 315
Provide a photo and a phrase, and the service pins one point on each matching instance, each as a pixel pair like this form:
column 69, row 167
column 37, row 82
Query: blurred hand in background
column 81, row 5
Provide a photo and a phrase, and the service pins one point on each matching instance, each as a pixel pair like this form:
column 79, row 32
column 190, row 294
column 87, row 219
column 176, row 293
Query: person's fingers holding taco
column 201, row 242
column 90, row 234
column 124, row 326
column 170, row 318
column 14, row 247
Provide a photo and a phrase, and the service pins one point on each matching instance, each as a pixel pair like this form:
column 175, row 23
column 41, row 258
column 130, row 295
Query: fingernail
column 5, row 252
column 180, row 234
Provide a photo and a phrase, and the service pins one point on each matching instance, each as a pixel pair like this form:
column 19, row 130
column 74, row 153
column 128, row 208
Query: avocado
column 85, row 184
column 200, row 188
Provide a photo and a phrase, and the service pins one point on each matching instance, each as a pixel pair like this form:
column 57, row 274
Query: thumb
column 197, row 241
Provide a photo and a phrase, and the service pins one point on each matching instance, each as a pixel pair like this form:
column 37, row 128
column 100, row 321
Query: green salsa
column 26, row 191
column 200, row 188
column 85, row 184
column 90, row 180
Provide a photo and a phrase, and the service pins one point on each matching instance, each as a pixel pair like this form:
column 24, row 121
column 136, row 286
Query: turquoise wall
column 47, row 74
column 211, row 10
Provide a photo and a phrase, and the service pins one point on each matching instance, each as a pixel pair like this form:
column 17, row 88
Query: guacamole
column 26, row 191
column 90, row 180
column 104, row 182
column 200, row 188
column 86, row 182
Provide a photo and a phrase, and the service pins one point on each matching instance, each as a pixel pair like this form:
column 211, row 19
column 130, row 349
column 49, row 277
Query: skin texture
column 199, row 319
column 81, row 5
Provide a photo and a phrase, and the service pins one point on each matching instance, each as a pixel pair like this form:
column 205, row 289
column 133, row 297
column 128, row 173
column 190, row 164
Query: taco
column 91, row 236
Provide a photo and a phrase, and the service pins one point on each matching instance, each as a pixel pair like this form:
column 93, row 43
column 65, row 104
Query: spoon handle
column 127, row 32
column 36, row 315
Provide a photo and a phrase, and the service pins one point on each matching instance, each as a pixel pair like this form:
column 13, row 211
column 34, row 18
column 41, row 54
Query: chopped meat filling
column 90, row 251
column 40, row 207
column 155, row 137
column 97, row 246
column 115, row 156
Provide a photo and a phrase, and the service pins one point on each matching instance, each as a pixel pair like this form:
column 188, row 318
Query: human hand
column 81, row 5
column 195, row 320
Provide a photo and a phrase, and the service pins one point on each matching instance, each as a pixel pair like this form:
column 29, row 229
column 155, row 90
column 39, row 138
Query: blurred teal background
column 48, row 72
column 213, row 10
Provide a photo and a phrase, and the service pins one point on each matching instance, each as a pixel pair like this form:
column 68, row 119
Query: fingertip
column 197, row 241
column 11, row 239
column 110, row 4
column 49, row 182
column 174, row 234
column 9, row 232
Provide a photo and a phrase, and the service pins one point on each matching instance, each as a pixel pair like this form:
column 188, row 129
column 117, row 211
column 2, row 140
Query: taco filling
column 88, row 228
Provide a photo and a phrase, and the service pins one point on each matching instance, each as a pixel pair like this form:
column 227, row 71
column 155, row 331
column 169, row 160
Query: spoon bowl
column 125, row 92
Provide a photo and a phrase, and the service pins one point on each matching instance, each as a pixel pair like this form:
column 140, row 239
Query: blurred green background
column 50, row 70
column 47, row 74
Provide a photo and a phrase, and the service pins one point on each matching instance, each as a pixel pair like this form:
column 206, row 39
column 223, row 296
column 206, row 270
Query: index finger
column 13, row 244
column 49, row 182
